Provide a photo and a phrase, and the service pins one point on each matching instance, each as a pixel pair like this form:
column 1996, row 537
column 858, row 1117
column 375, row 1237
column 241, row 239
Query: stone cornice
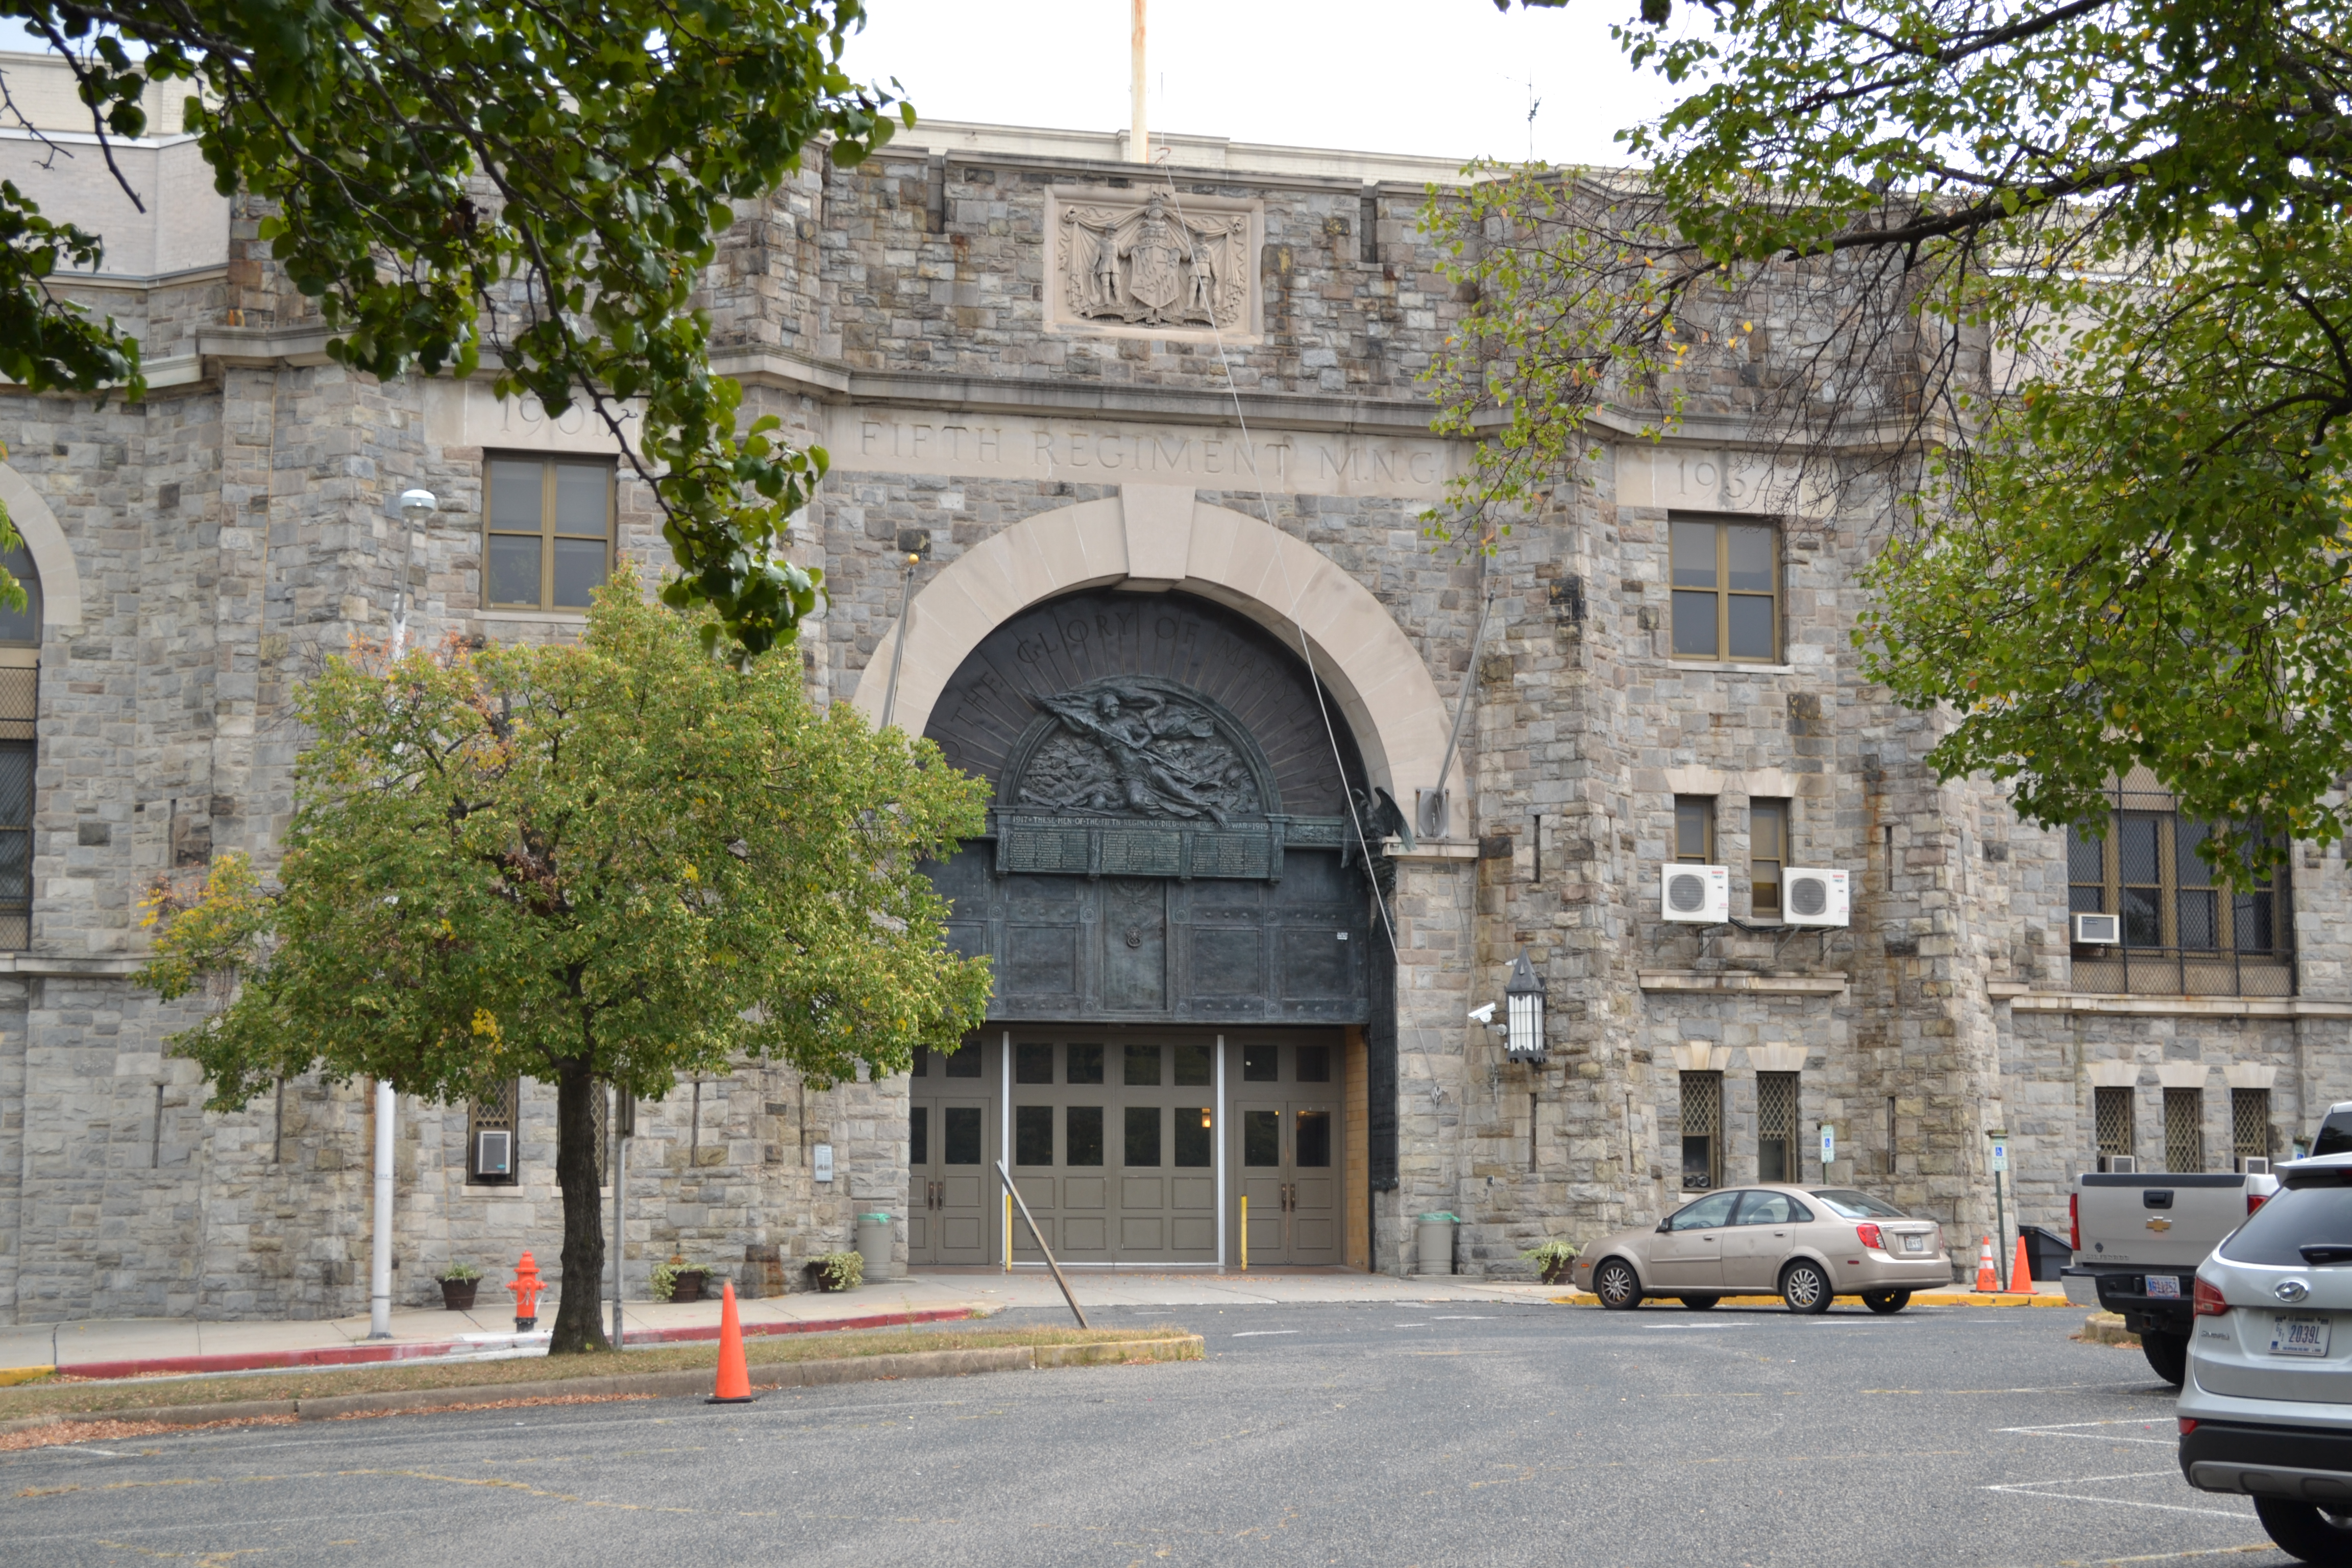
column 1742, row 981
column 54, row 964
column 2025, row 999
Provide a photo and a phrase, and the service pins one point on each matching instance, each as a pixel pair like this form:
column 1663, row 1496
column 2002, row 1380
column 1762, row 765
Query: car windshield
column 2319, row 1218
column 1849, row 1205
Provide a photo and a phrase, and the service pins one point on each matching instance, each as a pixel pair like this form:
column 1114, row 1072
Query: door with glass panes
column 1113, row 1146
column 1285, row 1149
column 950, row 1146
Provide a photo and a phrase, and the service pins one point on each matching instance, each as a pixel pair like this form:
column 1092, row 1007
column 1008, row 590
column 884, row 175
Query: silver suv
column 2267, row 1406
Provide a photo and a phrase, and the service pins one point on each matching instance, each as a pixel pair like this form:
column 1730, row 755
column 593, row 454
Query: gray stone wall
column 240, row 523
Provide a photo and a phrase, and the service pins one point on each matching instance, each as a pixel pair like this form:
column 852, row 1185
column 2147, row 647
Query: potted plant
column 676, row 1281
column 1553, row 1258
column 838, row 1270
column 458, row 1283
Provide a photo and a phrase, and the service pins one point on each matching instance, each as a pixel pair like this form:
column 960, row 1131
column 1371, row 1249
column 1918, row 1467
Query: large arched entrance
column 1175, row 897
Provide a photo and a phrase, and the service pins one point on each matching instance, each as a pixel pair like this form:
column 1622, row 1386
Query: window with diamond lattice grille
column 2250, row 1123
column 1776, row 1126
column 2184, row 1130
column 2112, row 1111
column 492, row 1160
column 1702, row 1131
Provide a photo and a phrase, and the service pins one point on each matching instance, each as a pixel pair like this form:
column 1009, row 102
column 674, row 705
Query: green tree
column 539, row 182
column 613, row 863
column 2066, row 280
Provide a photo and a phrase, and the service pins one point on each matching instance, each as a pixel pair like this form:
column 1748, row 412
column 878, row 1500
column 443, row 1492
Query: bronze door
column 951, row 1147
column 1287, row 1153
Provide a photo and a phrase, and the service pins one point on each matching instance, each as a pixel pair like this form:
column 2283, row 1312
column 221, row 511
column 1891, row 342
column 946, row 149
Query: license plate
column 1914, row 1244
column 2164, row 1285
column 2299, row 1333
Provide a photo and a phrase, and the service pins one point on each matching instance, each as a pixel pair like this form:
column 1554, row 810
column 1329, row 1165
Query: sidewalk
column 148, row 1346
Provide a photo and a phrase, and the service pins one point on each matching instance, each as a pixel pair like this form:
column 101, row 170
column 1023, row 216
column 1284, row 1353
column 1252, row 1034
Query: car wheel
column 2303, row 1532
column 1615, row 1283
column 2168, row 1355
column 1805, row 1287
column 1885, row 1301
column 1700, row 1303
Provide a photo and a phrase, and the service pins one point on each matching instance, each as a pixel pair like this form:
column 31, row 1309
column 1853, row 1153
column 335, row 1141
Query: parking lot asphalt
column 1444, row 1432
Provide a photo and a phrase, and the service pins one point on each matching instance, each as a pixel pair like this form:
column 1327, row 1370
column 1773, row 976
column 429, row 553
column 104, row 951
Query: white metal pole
column 380, row 1266
column 1218, row 1131
column 1139, row 140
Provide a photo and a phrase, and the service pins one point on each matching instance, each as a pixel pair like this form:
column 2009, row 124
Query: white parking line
column 2075, row 1429
column 2038, row 1489
column 1262, row 1333
column 1463, row 1318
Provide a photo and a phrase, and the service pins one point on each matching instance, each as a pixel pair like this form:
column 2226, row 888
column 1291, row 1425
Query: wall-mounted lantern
column 1523, row 1010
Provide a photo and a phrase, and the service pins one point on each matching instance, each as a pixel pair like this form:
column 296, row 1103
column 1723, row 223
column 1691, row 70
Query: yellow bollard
column 1008, row 1233
column 1245, row 1232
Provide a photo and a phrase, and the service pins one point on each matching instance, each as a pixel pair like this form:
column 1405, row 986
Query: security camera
column 1485, row 1015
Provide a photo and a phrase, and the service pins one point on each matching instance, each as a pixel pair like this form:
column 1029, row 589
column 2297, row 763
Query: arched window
column 20, row 680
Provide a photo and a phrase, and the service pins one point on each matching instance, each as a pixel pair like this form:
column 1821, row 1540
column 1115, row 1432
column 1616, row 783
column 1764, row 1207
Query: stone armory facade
column 1033, row 364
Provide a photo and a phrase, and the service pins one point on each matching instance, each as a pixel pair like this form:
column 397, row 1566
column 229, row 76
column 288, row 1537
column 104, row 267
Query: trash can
column 2048, row 1253
column 874, row 1245
column 1433, row 1244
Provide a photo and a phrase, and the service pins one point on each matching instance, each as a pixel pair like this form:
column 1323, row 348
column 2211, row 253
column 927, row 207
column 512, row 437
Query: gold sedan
column 1805, row 1245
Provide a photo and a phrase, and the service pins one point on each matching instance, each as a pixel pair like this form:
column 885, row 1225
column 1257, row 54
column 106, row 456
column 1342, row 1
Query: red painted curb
column 426, row 1349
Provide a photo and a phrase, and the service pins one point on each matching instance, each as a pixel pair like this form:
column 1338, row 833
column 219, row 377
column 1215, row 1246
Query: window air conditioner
column 1810, row 898
column 2119, row 1164
column 2098, row 930
column 494, row 1154
column 2255, row 1165
column 1694, row 895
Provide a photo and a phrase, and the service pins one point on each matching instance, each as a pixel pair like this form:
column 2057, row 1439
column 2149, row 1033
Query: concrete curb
column 431, row 1350
column 1918, row 1299
column 685, row 1383
column 2106, row 1328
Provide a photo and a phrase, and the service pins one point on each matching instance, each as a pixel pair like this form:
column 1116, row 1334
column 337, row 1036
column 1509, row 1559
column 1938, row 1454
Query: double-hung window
column 1695, row 829
column 1768, row 856
column 548, row 531
column 1727, row 590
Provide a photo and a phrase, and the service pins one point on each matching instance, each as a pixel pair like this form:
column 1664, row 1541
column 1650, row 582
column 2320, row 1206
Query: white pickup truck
column 2140, row 1238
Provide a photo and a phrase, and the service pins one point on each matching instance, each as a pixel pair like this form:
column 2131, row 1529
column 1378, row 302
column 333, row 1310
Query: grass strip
column 56, row 1398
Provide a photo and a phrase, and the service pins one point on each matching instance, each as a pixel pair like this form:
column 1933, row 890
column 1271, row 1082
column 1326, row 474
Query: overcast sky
column 1444, row 78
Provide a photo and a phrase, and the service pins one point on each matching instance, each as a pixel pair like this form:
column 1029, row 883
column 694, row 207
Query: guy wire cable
column 1266, row 515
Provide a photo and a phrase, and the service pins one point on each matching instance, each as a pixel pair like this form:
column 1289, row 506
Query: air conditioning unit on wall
column 1694, row 895
column 494, row 1154
column 2098, row 930
column 1814, row 898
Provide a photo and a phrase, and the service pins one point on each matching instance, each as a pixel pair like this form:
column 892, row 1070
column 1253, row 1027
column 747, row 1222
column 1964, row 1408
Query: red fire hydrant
column 526, row 1288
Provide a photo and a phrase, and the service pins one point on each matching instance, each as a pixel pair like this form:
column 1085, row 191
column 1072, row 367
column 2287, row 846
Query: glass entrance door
column 951, row 1145
column 1285, row 1120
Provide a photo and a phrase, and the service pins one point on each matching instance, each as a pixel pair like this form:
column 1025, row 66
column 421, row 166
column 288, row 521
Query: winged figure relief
column 1138, row 751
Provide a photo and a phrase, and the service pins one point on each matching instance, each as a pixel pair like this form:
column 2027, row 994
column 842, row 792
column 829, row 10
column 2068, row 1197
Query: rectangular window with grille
column 18, row 756
column 1776, row 1127
column 2112, row 1111
column 2186, row 926
column 2250, row 1125
column 600, row 1104
column 491, row 1135
column 2184, row 1130
column 1702, row 1131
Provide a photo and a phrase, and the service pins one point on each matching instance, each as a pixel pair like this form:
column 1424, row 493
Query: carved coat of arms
column 1155, row 265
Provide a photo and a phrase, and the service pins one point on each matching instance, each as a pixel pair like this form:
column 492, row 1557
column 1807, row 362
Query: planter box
column 458, row 1295
column 686, row 1285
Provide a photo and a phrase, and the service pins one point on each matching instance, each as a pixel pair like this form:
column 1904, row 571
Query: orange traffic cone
column 2021, row 1272
column 734, row 1378
column 1986, row 1279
